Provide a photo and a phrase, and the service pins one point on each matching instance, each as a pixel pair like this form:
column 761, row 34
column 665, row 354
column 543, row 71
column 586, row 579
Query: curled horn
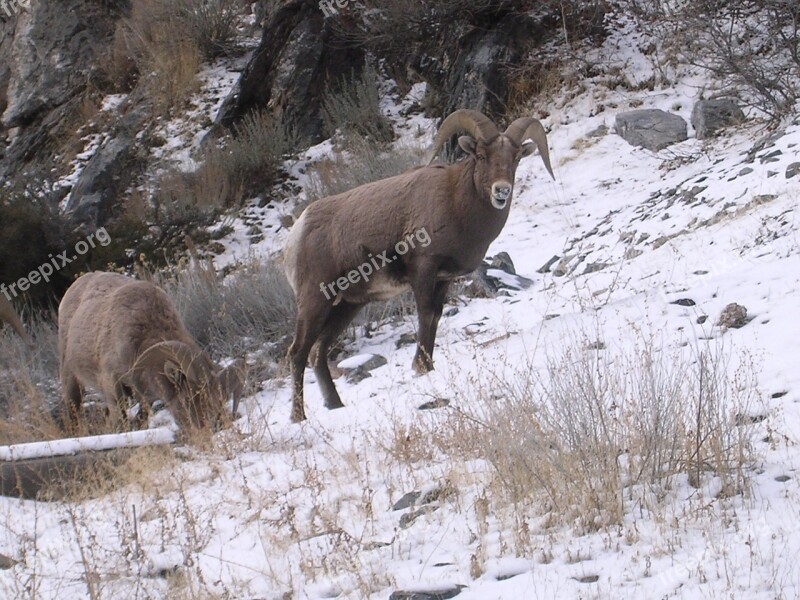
column 528, row 127
column 190, row 362
column 472, row 122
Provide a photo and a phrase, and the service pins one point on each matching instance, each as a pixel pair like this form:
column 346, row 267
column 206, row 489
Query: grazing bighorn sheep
column 9, row 315
column 461, row 207
column 124, row 338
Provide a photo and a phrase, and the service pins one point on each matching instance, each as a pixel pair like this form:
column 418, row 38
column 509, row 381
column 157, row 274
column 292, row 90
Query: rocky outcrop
column 301, row 53
column 48, row 54
column 650, row 128
column 468, row 59
column 709, row 116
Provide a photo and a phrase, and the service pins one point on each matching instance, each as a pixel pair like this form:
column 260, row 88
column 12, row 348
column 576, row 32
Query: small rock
column 434, row 595
column 418, row 498
column 792, row 170
column 684, row 302
column 771, row 157
column 408, row 519
column 598, row 131
column 745, row 171
column 405, row 339
column 702, row 319
column 450, row 312
column 652, row 129
column 438, row 403
column 594, row 267
column 587, row 579
column 357, row 375
column 777, row 395
column 369, row 364
column 709, row 116
column 733, row 316
column 481, row 286
column 503, row 262
column 6, row 562
column 545, row 268
column 361, row 371
column 782, row 478
column 406, row 501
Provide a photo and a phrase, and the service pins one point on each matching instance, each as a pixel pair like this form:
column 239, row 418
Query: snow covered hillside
column 651, row 248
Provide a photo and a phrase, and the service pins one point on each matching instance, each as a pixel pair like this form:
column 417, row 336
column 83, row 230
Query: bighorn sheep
column 461, row 208
column 9, row 315
column 124, row 338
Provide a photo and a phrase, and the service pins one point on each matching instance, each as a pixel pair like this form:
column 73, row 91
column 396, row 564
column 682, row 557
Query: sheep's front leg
column 430, row 296
column 68, row 414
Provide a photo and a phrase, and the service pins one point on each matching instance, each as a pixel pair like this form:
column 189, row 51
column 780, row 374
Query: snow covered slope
column 306, row 511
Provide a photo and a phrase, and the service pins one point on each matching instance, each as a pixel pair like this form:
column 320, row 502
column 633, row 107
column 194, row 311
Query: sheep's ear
column 527, row 149
column 173, row 372
column 467, row 144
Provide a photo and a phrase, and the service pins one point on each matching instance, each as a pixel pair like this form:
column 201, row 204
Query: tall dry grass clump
column 251, row 311
column 29, row 383
column 160, row 46
column 594, row 433
column 353, row 108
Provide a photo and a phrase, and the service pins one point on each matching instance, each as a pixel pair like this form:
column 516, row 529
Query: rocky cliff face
column 87, row 160
column 48, row 54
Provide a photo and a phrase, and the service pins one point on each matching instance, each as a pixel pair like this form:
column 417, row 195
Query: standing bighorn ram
column 461, row 208
column 9, row 315
column 124, row 338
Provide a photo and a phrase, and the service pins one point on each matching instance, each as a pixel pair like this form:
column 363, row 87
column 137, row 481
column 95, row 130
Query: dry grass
column 364, row 161
column 353, row 109
column 28, row 384
column 595, row 433
column 251, row 311
column 160, row 46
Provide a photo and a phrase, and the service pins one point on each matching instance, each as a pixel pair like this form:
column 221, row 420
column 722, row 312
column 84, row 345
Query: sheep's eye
column 481, row 157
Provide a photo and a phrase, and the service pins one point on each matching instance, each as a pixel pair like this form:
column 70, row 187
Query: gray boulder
column 650, row 128
column 709, row 116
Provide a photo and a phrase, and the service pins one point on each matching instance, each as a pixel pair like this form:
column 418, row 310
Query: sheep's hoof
column 333, row 404
column 298, row 417
column 421, row 367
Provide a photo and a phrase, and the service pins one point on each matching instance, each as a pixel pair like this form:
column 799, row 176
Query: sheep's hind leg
column 310, row 324
column 340, row 317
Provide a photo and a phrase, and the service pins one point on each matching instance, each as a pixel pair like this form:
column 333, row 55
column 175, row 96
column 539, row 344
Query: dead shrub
column 353, row 108
column 154, row 48
column 251, row 310
column 29, row 383
column 248, row 163
column 364, row 161
column 593, row 434
column 751, row 46
column 212, row 24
